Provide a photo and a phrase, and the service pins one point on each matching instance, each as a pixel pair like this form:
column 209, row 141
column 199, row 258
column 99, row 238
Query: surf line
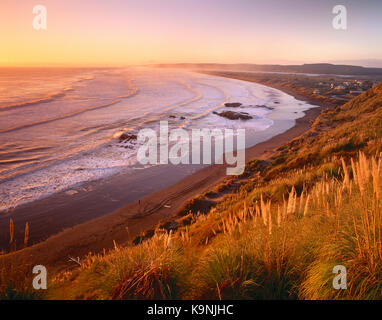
column 180, row 141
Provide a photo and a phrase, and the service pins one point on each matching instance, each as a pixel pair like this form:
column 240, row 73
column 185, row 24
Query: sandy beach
column 70, row 168
column 81, row 236
column 190, row 151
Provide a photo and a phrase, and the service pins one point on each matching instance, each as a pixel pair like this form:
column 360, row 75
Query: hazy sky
column 121, row 32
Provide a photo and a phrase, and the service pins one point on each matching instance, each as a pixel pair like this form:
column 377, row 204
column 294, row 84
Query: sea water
column 60, row 127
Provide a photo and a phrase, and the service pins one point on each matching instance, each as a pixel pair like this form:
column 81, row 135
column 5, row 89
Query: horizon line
column 146, row 64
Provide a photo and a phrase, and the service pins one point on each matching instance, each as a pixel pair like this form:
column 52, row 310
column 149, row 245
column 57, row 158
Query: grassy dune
column 276, row 232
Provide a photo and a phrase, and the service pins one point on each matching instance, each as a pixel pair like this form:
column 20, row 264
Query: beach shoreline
column 88, row 232
column 288, row 90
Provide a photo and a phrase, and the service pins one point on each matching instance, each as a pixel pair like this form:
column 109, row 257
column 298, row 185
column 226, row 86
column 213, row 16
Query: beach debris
column 233, row 104
column 232, row 115
column 167, row 206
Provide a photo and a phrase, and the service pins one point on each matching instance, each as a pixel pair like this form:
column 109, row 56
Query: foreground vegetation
column 276, row 232
column 254, row 248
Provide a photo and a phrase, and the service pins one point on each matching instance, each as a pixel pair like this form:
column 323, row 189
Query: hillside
column 275, row 232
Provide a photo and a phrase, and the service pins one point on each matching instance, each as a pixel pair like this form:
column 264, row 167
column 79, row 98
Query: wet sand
column 62, row 220
column 124, row 224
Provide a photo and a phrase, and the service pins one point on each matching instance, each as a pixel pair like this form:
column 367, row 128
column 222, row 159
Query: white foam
column 160, row 93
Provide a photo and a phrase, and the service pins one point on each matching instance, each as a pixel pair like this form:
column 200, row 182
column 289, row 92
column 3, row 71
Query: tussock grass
column 151, row 270
column 257, row 248
column 315, row 205
column 357, row 243
column 16, row 281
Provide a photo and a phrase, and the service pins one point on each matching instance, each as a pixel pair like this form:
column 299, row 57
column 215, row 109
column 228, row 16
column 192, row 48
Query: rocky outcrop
column 174, row 117
column 265, row 107
column 233, row 104
column 127, row 137
column 232, row 115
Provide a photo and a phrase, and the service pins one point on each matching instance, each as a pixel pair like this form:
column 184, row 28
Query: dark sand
column 63, row 210
column 49, row 216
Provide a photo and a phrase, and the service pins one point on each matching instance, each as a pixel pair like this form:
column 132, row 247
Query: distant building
column 366, row 84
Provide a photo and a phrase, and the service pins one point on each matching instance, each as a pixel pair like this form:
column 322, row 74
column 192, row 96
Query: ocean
column 60, row 127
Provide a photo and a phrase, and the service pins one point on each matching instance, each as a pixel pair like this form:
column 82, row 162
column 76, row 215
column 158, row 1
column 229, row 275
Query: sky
column 125, row 32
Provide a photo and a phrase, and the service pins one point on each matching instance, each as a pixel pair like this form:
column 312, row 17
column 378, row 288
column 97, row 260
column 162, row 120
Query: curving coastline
column 82, row 236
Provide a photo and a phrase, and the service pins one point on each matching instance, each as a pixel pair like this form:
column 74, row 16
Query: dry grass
column 256, row 248
column 16, row 281
column 316, row 205
column 151, row 270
